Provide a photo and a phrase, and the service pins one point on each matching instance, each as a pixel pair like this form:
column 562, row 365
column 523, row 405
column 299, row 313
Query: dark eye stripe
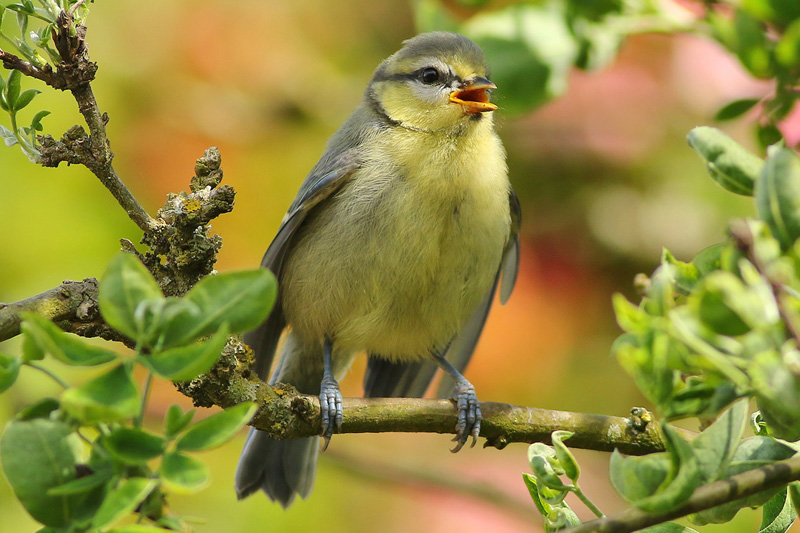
column 444, row 78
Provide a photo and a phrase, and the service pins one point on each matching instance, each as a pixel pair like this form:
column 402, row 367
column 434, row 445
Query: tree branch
column 287, row 414
column 705, row 497
column 75, row 73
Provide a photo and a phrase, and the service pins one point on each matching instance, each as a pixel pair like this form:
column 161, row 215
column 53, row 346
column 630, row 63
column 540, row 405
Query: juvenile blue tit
column 394, row 246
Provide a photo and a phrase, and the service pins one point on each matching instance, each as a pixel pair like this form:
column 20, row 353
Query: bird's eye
column 429, row 75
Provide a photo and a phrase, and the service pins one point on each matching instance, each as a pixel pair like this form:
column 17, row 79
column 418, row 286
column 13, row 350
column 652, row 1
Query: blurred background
column 603, row 173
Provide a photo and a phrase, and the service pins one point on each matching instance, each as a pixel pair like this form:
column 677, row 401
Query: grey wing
column 390, row 379
column 323, row 182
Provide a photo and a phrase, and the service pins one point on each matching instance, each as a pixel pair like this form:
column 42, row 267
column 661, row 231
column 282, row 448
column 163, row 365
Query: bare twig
column 100, row 162
column 705, row 497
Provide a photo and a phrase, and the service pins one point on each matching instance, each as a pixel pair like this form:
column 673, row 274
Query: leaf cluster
column 83, row 461
column 723, row 326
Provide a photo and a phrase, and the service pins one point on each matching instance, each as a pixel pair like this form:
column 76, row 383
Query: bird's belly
column 400, row 279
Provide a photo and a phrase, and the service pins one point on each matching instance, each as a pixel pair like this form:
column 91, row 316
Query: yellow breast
column 397, row 261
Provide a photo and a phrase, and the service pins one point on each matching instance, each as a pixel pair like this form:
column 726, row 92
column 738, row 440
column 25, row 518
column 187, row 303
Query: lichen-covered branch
column 182, row 249
column 72, row 305
column 726, row 490
column 285, row 413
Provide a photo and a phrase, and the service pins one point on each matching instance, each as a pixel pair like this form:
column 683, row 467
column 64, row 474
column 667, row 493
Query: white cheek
column 432, row 95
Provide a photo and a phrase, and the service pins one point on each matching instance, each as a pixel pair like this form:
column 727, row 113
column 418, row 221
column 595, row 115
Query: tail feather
column 281, row 468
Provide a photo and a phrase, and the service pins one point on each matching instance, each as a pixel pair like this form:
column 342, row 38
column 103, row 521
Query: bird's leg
column 469, row 409
column 330, row 397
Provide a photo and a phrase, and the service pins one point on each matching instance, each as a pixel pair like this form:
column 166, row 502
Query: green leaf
column 730, row 165
column 125, row 284
column 794, row 495
column 533, row 490
column 36, row 123
column 660, row 481
column 111, row 397
column 720, row 301
column 560, row 517
column 555, row 511
column 9, row 371
column 630, row 317
column 778, row 514
column 661, row 291
column 685, row 274
column 123, row 500
column 216, row 429
column 241, row 299
column 183, row 473
column 777, row 391
column 768, row 135
column 715, row 446
column 36, row 456
column 40, row 409
column 546, row 467
column 134, row 446
column 735, row 109
column 65, row 347
column 30, row 348
column 81, row 485
column 12, row 88
column 751, row 453
column 564, row 456
column 25, row 98
column 638, row 477
column 709, row 259
column 176, row 420
column 188, row 362
column 778, row 195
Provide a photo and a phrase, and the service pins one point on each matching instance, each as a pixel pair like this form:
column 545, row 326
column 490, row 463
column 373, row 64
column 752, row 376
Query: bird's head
column 437, row 81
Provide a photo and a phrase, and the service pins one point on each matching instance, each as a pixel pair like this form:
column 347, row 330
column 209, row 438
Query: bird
column 394, row 246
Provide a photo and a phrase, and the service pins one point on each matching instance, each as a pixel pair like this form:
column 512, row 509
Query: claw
column 469, row 415
column 331, row 408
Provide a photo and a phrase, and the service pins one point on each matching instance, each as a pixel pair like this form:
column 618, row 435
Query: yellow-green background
column 604, row 175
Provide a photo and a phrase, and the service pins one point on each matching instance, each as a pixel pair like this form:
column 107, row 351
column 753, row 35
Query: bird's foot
column 330, row 405
column 469, row 415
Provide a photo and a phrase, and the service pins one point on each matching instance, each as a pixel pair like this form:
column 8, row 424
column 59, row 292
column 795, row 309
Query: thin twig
column 49, row 374
column 77, row 4
column 101, row 162
column 705, row 497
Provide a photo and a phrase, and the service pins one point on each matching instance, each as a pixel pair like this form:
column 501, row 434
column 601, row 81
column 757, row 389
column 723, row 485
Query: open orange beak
column 473, row 96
